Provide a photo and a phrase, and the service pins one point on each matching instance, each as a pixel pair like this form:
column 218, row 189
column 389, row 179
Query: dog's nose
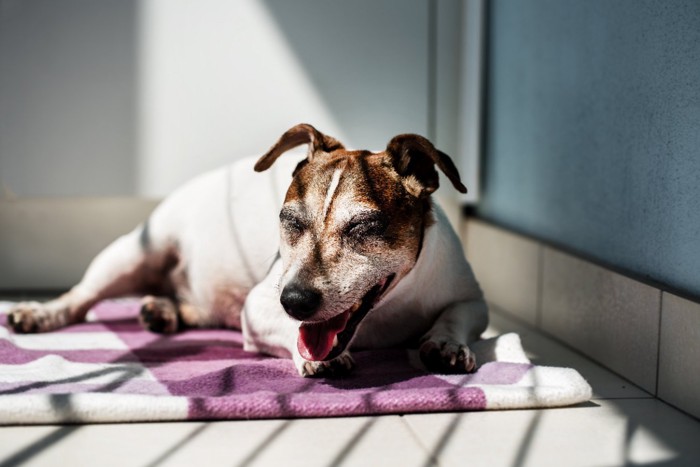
column 300, row 302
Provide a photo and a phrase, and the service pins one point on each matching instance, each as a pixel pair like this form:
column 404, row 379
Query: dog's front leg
column 116, row 271
column 339, row 366
column 445, row 348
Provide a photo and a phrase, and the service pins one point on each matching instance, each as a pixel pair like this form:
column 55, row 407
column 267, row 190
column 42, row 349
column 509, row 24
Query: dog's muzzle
column 325, row 340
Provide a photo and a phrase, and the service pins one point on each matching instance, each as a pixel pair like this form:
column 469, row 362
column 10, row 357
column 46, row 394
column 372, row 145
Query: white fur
column 441, row 278
column 224, row 227
column 332, row 187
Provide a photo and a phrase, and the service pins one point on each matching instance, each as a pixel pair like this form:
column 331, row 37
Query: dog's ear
column 414, row 158
column 296, row 136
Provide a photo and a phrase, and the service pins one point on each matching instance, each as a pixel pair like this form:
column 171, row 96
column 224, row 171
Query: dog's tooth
column 335, row 341
column 355, row 307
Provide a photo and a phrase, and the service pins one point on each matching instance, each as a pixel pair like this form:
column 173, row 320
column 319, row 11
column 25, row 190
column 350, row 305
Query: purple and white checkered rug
column 111, row 370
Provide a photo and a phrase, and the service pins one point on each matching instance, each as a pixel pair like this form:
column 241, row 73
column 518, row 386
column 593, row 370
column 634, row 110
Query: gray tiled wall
column 499, row 257
column 607, row 316
column 648, row 336
column 679, row 356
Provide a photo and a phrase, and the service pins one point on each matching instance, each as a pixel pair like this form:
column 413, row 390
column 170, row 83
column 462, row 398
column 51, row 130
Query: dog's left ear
column 414, row 158
column 296, row 136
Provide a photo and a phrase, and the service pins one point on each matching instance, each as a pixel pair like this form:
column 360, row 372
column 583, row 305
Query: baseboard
column 46, row 243
column 648, row 335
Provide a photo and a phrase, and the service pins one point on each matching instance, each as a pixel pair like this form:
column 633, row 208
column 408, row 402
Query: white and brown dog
column 361, row 258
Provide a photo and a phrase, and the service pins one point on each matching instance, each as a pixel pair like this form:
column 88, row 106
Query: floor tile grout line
column 354, row 441
column 271, row 436
column 539, row 298
column 658, row 342
column 430, row 457
column 36, row 447
column 445, row 439
column 632, row 398
column 179, row 445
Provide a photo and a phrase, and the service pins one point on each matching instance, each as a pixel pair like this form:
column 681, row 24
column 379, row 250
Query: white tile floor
column 622, row 425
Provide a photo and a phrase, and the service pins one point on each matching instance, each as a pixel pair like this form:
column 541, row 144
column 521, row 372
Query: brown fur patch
column 369, row 181
column 353, row 218
column 373, row 183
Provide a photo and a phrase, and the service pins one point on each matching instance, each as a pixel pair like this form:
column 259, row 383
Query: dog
column 355, row 255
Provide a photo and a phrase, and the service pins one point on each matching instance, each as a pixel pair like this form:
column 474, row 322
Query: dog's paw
column 32, row 317
column 159, row 315
column 444, row 355
column 339, row 366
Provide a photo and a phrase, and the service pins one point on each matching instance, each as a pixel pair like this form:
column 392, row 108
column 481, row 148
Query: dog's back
column 357, row 231
column 220, row 231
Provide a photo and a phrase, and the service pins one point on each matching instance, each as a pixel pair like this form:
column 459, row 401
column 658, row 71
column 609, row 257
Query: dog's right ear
column 414, row 158
column 296, row 136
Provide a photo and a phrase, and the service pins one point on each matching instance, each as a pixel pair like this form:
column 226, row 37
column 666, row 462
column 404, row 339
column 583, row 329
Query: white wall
column 116, row 97
column 130, row 98
column 67, row 97
column 223, row 79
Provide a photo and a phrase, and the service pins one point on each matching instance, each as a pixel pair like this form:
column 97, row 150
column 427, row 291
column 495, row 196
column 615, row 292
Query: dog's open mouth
column 325, row 340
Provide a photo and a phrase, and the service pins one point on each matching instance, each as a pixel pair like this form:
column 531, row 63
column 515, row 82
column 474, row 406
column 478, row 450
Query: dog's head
column 352, row 227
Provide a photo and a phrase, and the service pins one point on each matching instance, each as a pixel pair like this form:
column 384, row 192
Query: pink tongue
column 315, row 340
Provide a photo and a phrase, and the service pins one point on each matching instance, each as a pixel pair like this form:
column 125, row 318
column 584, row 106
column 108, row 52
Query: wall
column 105, row 103
column 593, row 131
column 68, row 97
column 110, row 97
column 222, row 80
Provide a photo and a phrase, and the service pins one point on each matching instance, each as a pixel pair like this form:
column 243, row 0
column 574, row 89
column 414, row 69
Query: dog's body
column 363, row 258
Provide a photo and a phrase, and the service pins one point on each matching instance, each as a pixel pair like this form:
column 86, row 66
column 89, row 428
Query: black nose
column 300, row 302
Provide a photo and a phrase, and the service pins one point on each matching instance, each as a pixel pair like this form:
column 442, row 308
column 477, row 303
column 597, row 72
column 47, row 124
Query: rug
column 109, row 369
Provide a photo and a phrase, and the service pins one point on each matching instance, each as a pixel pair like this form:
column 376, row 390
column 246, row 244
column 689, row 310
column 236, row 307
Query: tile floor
column 622, row 425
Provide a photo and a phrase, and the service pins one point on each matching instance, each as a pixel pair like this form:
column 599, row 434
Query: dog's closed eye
column 292, row 222
column 365, row 226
